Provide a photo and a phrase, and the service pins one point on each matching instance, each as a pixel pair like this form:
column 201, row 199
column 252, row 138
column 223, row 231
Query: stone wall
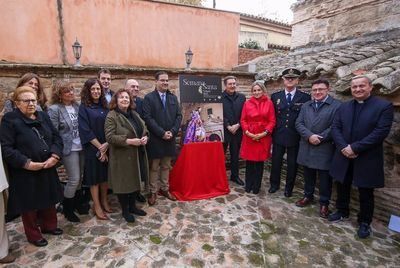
column 10, row 74
column 325, row 21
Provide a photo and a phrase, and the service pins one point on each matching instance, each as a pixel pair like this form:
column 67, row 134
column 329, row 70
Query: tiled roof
column 379, row 59
column 263, row 19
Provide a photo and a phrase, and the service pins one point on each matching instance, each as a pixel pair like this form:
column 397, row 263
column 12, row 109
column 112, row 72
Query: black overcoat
column 232, row 110
column 159, row 120
column 22, row 139
column 285, row 133
column 365, row 136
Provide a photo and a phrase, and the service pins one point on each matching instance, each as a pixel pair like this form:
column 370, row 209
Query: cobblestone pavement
column 236, row 230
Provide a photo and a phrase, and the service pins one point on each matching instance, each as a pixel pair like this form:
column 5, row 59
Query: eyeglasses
column 29, row 101
column 319, row 90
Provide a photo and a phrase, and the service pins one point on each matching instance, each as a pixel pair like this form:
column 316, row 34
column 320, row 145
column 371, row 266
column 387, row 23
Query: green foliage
column 249, row 43
column 207, row 247
column 155, row 239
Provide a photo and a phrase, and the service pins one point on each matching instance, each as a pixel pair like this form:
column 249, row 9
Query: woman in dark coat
column 91, row 117
column 126, row 135
column 257, row 122
column 31, row 149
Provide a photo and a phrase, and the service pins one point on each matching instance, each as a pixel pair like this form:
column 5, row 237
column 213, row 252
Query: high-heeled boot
column 68, row 210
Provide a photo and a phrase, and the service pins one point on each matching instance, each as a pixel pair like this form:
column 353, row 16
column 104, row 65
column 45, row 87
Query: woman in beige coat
column 126, row 135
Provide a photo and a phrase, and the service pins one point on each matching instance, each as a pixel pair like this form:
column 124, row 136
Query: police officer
column 285, row 138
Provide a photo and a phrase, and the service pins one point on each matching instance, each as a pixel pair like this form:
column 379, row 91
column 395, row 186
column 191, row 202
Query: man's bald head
column 132, row 86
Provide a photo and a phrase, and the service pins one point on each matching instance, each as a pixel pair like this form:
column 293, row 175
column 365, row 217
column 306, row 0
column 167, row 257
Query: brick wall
column 246, row 54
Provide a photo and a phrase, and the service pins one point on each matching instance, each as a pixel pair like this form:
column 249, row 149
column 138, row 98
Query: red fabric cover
column 199, row 172
column 258, row 115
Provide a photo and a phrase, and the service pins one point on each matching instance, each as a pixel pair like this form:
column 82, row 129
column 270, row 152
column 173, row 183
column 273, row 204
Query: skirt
column 94, row 171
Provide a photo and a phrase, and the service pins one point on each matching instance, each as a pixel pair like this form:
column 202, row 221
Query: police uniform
column 285, row 137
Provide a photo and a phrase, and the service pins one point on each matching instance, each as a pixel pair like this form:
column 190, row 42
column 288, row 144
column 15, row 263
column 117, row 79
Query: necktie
column 163, row 99
column 318, row 104
column 289, row 98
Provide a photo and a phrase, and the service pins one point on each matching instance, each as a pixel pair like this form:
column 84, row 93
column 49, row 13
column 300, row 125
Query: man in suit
column 316, row 145
column 359, row 129
column 232, row 103
column 133, row 87
column 163, row 117
column 287, row 104
column 104, row 76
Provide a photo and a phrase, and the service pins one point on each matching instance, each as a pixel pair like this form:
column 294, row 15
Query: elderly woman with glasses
column 31, row 149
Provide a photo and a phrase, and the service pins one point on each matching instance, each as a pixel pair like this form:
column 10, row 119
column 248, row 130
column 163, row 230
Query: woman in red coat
column 257, row 122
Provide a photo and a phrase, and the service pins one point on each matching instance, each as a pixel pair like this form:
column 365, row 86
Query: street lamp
column 77, row 50
column 189, row 57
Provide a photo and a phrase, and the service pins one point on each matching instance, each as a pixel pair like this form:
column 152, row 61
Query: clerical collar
column 360, row 102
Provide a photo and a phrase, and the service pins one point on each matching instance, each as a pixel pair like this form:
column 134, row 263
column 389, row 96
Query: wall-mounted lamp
column 189, row 57
column 77, row 50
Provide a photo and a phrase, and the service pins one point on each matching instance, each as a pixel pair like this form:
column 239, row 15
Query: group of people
column 110, row 139
column 120, row 141
column 330, row 139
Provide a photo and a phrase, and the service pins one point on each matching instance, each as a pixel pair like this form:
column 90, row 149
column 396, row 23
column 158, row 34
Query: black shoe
column 337, row 216
column 39, row 243
column 364, row 230
column 56, row 231
column 272, row 190
column 238, row 181
column 128, row 217
column 288, row 193
column 137, row 211
column 140, row 198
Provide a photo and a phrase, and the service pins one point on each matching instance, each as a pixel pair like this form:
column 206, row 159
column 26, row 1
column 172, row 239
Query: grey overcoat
column 312, row 121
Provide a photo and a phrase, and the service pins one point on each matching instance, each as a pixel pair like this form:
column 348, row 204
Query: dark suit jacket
column 139, row 106
column 232, row 107
column 365, row 136
column 285, row 133
column 159, row 120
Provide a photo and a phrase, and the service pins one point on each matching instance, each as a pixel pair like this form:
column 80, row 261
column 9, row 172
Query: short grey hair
column 363, row 76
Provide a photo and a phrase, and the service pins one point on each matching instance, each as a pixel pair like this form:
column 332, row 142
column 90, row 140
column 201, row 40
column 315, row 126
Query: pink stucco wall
column 123, row 32
column 29, row 31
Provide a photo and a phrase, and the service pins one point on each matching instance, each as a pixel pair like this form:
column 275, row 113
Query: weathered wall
column 246, row 54
column 123, row 32
column 323, row 21
column 29, row 31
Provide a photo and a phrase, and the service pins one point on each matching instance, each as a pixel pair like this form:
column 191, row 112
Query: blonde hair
column 20, row 90
column 259, row 83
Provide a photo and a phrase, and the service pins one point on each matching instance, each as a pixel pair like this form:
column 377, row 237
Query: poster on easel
column 201, row 101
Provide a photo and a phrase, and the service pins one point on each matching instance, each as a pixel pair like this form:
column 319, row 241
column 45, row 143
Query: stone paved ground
column 236, row 230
